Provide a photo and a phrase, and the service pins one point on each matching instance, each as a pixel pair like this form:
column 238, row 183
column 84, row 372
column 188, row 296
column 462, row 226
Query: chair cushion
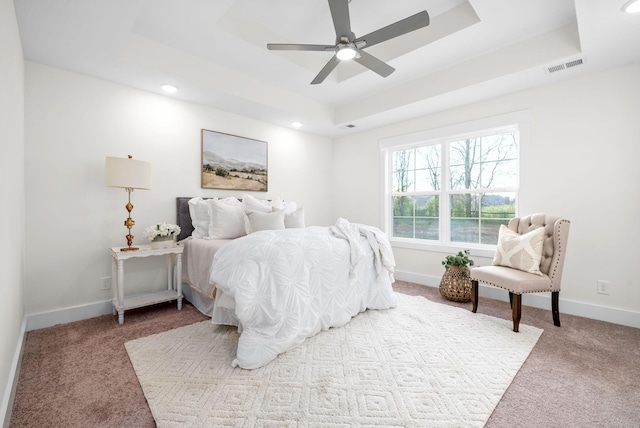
column 510, row 279
column 522, row 252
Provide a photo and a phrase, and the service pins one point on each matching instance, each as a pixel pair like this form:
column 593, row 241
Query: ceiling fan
column 347, row 46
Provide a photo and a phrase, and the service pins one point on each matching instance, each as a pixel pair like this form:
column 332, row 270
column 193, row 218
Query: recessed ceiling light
column 170, row 89
column 632, row 6
column 296, row 124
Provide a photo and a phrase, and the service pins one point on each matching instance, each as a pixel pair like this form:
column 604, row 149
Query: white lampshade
column 127, row 173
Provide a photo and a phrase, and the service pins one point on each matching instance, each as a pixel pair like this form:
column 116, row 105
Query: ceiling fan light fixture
column 346, row 52
column 632, row 6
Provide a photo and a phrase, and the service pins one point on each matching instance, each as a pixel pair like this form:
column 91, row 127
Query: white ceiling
column 215, row 52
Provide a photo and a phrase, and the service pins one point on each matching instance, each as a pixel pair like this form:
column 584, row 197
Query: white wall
column 12, row 227
column 582, row 164
column 73, row 122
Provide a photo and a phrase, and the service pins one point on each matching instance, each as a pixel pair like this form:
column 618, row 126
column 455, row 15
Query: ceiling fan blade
column 374, row 64
column 298, row 47
column 326, row 70
column 341, row 20
column 396, row 29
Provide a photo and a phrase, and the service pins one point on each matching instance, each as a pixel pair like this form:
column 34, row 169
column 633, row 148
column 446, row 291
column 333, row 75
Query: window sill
column 475, row 250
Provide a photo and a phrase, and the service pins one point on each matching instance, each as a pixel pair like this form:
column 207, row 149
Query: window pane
column 427, row 179
column 427, row 206
column 499, row 173
column 403, row 206
column 403, row 170
column 427, row 228
column 427, row 217
column 464, row 152
column 500, row 146
column 464, row 230
column 497, row 209
column 461, row 178
column 403, row 227
column 465, row 222
column 428, row 168
column 416, row 217
column 485, row 162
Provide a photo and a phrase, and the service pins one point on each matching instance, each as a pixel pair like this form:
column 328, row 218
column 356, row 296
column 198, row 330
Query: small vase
column 162, row 242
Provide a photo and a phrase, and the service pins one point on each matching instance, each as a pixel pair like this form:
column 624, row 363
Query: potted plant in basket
column 456, row 281
column 161, row 235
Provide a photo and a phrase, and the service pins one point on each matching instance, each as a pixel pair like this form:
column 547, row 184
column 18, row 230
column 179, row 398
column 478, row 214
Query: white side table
column 173, row 256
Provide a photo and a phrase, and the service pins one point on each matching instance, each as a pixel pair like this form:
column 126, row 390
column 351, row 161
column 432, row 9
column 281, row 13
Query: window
column 455, row 189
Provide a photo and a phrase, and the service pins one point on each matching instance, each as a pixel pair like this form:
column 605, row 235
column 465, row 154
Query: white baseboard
column 540, row 300
column 66, row 315
column 536, row 300
column 6, row 406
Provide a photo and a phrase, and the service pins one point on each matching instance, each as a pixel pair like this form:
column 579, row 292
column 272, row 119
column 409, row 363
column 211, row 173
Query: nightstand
column 173, row 256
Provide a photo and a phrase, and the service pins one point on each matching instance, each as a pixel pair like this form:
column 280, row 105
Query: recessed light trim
column 632, row 6
column 170, row 89
column 296, row 124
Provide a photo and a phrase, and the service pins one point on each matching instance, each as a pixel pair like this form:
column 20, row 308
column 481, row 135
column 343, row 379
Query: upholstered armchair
column 527, row 261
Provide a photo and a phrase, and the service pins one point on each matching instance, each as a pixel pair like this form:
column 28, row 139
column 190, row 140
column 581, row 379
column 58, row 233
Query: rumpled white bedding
column 280, row 287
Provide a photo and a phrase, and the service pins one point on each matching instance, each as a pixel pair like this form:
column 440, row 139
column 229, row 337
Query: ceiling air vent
column 564, row 66
column 574, row 63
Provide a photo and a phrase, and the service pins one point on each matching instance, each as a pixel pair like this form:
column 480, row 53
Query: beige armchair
column 554, row 247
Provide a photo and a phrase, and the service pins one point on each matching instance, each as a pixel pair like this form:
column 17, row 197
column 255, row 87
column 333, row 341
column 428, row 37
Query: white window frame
column 519, row 119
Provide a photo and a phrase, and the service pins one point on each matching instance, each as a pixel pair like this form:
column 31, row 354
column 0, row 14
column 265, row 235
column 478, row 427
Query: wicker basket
column 456, row 284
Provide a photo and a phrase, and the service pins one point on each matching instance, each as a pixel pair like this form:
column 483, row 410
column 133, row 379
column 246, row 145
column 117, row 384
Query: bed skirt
column 203, row 303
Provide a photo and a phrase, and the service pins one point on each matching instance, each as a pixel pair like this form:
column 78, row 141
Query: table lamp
column 128, row 174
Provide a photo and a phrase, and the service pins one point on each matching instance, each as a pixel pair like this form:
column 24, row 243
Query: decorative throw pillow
column 279, row 204
column 251, row 203
column 522, row 252
column 227, row 219
column 200, row 217
column 294, row 219
column 256, row 220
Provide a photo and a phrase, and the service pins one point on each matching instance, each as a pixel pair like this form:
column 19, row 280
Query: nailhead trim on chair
column 559, row 250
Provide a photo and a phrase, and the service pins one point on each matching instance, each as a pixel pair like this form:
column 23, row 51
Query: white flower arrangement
column 161, row 230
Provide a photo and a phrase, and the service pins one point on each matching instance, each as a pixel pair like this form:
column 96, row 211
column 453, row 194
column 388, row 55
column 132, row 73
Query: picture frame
column 232, row 162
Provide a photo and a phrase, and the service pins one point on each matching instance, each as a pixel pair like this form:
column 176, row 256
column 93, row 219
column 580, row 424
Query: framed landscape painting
column 233, row 163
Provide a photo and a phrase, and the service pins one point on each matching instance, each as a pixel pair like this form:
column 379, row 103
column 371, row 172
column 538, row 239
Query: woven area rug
column 420, row 364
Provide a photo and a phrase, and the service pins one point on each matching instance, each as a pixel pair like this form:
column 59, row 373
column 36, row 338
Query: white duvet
column 280, row 287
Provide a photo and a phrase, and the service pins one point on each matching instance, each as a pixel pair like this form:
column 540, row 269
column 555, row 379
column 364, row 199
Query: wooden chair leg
column 474, row 295
column 510, row 299
column 555, row 298
column 516, row 309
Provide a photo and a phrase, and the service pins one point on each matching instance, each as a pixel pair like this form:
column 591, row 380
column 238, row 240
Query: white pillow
column 522, row 252
column 256, row 220
column 251, row 203
column 294, row 219
column 277, row 203
column 290, row 207
column 227, row 219
column 200, row 217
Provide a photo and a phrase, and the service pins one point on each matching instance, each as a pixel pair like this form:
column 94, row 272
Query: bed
column 279, row 286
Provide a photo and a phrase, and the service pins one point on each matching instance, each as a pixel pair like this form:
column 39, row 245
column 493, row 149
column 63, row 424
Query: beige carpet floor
column 583, row 374
column 421, row 364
